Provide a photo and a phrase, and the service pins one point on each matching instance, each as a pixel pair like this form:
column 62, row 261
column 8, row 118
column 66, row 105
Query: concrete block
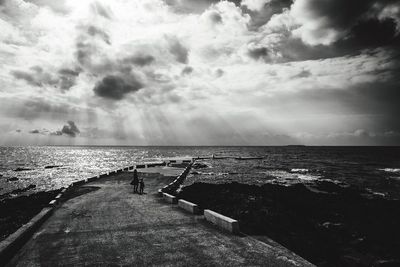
column 160, row 193
column 222, row 221
column 189, row 206
column 170, row 198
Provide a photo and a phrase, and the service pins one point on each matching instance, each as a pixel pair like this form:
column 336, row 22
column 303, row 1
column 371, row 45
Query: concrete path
column 105, row 224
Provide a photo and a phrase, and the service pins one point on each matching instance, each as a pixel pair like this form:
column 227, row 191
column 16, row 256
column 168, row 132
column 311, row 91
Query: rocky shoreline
column 14, row 212
column 330, row 226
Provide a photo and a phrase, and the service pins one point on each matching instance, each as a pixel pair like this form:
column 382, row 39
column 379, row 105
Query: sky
column 199, row 72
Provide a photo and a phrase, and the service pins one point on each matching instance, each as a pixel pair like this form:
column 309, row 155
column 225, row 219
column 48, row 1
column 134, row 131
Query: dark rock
column 19, row 169
column 387, row 263
column 19, row 210
column 199, row 165
column 52, row 166
column 342, row 228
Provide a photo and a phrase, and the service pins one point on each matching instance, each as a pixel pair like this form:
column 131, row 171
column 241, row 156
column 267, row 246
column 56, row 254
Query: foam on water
column 391, row 170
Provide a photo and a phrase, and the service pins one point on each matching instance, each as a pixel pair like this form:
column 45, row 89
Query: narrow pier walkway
column 105, row 224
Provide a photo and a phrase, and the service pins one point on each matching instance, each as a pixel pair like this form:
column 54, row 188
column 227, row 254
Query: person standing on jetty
column 141, row 186
column 135, row 181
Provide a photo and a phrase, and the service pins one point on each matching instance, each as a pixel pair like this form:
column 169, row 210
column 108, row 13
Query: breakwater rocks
column 17, row 211
column 333, row 226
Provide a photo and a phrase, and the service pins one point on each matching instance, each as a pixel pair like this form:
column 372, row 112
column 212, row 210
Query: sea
column 29, row 169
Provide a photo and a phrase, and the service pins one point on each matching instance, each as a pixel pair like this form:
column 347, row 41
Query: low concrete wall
column 189, row 206
column 15, row 241
column 170, row 198
column 92, row 179
column 78, row 183
column 222, row 221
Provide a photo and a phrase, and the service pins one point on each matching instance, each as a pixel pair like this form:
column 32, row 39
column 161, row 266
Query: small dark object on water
column 52, row 166
column 248, row 158
column 199, row 165
column 19, row 169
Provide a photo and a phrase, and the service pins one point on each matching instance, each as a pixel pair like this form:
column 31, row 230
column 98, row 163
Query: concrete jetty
column 104, row 223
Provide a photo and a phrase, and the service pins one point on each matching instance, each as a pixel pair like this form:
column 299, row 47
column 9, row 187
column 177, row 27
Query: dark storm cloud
column 178, row 50
column 140, row 60
column 115, row 87
column 258, row 53
column 361, row 21
column 358, row 24
column 187, row 70
column 70, row 129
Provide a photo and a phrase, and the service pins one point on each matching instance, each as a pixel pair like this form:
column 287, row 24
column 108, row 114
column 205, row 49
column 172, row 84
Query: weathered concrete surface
column 109, row 225
column 222, row 221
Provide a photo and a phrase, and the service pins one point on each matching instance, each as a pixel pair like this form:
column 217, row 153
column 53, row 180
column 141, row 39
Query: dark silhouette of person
column 141, row 186
column 135, row 181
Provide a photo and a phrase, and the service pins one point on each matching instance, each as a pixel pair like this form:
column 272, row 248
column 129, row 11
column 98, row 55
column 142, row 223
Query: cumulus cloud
column 34, row 131
column 115, row 87
column 281, row 65
column 70, row 129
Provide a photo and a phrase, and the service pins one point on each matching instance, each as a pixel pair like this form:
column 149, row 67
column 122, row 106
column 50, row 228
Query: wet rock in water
column 52, row 166
column 19, row 169
column 387, row 263
column 12, row 179
column 199, row 165
column 17, row 191
column 330, row 225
